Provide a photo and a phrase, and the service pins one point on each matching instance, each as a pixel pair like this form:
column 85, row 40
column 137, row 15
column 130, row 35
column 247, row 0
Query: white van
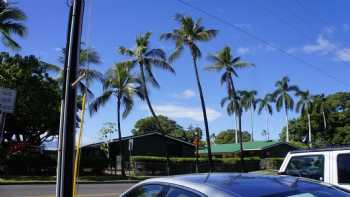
column 331, row 165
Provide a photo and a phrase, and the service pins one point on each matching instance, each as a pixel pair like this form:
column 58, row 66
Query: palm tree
column 234, row 107
column 284, row 100
column 188, row 35
column 264, row 105
column 320, row 103
column 266, row 134
column 119, row 83
column 249, row 103
column 87, row 75
column 11, row 19
column 304, row 106
column 146, row 58
column 224, row 61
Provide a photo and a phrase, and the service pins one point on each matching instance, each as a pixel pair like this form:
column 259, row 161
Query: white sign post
column 7, row 105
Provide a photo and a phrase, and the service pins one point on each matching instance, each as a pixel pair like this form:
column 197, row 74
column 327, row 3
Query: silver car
column 232, row 184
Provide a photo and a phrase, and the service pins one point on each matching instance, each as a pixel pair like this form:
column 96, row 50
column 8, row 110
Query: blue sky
column 315, row 31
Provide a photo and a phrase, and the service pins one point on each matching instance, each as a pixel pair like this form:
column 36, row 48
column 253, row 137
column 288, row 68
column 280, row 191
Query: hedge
column 145, row 165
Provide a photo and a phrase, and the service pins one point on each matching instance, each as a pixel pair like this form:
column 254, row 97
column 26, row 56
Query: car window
column 178, row 192
column 309, row 166
column 151, row 190
column 343, row 161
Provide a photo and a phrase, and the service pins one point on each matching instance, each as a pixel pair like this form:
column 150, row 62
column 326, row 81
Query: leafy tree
column 36, row 115
column 338, row 120
column 284, row 100
column 265, row 105
column 228, row 136
column 188, row 35
column 304, row 106
column 249, row 103
column 149, row 125
column 119, row 83
column 11, row 19
column 145, row 57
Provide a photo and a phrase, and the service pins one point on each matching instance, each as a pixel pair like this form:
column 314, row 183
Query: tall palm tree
column 266, row 134
column 249, row 103
column 320, row 103
column 88, row 56
column 284, row 100
column 188, row 35
column 304, row 106
column 119, row 82
column 224, row 61
column 233, row 103
column 11, row 19
column 265, row 105
column 146, row 58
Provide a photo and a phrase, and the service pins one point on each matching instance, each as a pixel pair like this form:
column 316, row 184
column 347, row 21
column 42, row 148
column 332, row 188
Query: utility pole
column 67, row 133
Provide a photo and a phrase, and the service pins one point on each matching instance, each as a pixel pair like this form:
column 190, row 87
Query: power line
column 267, row 43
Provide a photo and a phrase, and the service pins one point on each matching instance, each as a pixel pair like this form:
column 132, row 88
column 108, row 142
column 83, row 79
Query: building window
column 343, row 162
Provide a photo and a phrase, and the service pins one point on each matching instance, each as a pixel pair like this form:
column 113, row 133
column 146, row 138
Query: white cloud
column 329, row 30
column 343, row 55
column 346, row 27
column 243, row 50
column 194, row 113
column 186, row 94
column 291, row 50
column 322, row 46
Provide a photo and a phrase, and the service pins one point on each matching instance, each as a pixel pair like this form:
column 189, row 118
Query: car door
column 341, row 169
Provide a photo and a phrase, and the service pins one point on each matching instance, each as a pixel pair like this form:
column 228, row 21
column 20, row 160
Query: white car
column 331, row 165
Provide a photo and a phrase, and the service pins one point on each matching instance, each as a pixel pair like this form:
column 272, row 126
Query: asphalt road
column 84, row 190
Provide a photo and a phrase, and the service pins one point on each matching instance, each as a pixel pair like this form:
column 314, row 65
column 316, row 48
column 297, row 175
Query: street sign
column 7, row 100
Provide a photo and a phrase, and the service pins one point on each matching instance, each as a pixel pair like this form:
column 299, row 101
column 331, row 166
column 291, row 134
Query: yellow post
column 77, row 154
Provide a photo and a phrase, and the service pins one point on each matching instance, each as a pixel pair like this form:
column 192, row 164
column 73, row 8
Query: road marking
column 81, row 195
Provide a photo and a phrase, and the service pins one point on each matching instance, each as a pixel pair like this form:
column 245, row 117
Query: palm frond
column 176, row 54
column 160, row 64
column 100, row 101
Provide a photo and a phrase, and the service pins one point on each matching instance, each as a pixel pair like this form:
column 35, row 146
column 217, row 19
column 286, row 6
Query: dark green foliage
column 36, row 116
column 170, row 127
column 156, row 165
column 337, row 115
column 228, row 136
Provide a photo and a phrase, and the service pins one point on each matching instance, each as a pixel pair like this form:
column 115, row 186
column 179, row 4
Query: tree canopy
column 36, row 116
column 171, row 128
column 228, row 136
column 336, row 107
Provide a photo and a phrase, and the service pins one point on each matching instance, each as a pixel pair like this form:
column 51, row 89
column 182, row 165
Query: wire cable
column 267, row 43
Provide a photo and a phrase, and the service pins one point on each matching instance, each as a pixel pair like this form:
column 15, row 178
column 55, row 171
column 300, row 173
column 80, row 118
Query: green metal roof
column 232, row 148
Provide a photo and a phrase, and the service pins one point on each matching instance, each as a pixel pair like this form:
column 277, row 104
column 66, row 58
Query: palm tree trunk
column 309, row 124
column 144, row 86
column 267, row 124
column 324, row 120
column 236, row 129
column 241, row 141
column 120, row 138
column 204, row 114
column 287, row 124
column 251, row 125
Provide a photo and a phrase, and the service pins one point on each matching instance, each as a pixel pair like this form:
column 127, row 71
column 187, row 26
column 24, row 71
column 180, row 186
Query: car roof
column 238, row 184
column 336, row 148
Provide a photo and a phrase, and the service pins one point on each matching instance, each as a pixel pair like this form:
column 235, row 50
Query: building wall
column 280, row 150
